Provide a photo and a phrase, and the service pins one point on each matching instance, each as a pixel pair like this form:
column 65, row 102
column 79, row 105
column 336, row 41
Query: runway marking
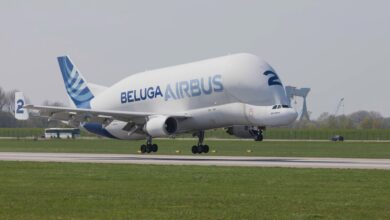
column 201, row 160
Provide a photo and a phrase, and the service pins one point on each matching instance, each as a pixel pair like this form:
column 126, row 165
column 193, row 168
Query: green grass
column 231, row 147
column 103, row 191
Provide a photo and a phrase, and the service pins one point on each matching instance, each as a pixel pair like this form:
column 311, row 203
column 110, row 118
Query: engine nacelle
column 160, row 126
column 243, row 131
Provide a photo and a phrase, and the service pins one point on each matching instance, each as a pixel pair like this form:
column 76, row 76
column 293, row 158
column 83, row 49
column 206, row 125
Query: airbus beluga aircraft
column 239, row 92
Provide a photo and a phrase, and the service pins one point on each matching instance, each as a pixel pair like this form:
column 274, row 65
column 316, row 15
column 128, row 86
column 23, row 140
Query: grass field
column 113, row 191
column 103, row 191
column 230, row 147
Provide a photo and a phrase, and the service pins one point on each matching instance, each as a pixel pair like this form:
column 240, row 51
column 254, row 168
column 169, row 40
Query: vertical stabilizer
column 75, row 84
column 20, row 112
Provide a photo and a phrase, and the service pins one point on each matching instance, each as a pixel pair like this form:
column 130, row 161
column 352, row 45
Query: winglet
column 20, row 112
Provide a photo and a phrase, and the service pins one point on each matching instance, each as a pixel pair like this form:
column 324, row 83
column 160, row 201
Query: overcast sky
column 337, row 48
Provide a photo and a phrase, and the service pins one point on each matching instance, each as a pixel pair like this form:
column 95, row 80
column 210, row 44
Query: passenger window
column 285, row 106
column 279, row 106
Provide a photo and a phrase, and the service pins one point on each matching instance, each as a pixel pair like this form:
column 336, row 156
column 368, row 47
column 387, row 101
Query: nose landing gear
column 200, row 148
column 258, row 133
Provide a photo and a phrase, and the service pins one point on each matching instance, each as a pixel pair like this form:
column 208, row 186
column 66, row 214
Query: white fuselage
column 215, row 93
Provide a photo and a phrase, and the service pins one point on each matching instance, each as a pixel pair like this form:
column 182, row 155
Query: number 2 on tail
column 19, row 106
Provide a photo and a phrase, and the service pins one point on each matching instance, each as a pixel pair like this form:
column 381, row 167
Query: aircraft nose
column 292, row 114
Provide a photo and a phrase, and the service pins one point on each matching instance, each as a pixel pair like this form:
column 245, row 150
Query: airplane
column 239, row 92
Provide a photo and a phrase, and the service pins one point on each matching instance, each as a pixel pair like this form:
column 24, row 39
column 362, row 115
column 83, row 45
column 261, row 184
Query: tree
column 55, row 103
column 366, row 123
column 345, row 122
column 2, row 99
column 10, row 101
column 331, row 122
column 386, row 123
column 359, row 116
column 324, row 116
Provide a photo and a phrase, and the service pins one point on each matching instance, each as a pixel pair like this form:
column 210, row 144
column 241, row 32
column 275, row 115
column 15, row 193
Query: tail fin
column 75, row 84
column 20, row 112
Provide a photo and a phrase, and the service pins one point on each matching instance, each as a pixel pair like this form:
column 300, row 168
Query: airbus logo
column 175, row 91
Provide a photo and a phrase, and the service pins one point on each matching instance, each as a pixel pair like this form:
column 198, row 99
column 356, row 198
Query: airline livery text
column 175, row 91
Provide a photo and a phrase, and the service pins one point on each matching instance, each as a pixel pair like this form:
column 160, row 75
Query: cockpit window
column 280, row 106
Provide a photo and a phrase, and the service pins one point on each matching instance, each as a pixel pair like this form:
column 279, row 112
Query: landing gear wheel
column 194, row 149
column 259, row 134
column 206, row 149
column 259, row 137
column 154, row 148
column 148, row 149
column 199, row 149
column 143, row 148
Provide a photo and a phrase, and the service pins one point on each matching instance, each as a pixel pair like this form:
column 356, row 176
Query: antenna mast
column 339, row 105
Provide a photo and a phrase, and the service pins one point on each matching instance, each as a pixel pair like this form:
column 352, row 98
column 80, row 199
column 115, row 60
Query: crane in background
column 292, row 92
column 339, row 105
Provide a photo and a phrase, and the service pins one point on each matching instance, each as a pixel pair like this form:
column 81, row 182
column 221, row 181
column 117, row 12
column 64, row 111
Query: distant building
column 62, row 133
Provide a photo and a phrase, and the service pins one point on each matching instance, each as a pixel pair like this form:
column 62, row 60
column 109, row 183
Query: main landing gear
column 200, row 148
column 148, row 147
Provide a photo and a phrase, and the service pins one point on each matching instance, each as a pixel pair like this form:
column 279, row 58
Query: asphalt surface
column 201, row 160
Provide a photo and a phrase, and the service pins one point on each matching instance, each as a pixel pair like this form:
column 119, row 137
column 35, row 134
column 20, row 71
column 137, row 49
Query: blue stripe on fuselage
column 98, row 129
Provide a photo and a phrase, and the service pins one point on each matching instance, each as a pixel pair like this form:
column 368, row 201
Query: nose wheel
column 258, row 134
column 149, row 147
column 200, row 147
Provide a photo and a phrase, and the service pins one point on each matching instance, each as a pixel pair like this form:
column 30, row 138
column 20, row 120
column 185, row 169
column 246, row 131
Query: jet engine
column 243, row 131
column 160, row 126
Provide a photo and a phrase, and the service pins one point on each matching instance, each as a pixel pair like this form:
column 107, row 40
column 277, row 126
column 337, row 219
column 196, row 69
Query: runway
column 200, row 160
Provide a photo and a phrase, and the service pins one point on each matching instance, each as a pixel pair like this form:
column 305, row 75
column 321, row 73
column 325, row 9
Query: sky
column 340, row 49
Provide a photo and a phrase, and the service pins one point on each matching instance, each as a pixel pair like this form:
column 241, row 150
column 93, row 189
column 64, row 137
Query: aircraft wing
column 92, row 115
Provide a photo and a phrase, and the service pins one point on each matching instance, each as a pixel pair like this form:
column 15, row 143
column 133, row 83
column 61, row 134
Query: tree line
column 356, row 120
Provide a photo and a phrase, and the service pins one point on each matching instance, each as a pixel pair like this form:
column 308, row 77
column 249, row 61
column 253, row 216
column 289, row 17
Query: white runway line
column 299, row 162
